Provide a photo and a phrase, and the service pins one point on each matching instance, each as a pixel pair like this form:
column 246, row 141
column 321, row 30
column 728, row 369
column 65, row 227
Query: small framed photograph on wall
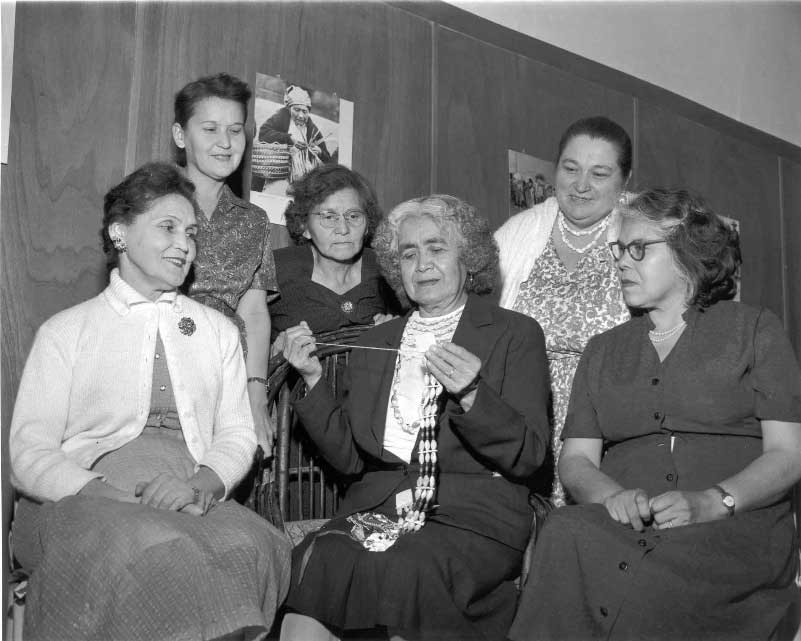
column 530, row 181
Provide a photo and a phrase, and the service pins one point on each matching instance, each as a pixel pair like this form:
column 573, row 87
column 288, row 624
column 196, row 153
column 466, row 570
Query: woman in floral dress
column 555, row 266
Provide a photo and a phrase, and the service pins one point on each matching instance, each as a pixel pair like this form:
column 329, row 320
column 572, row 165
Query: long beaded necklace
column 595, row 230
column 420, row 335
column 661, row 337
column 427, row 457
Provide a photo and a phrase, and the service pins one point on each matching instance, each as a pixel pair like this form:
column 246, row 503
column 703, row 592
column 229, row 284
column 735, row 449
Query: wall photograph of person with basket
column 298, row 129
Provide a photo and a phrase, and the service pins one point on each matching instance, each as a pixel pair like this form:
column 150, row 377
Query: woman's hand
column 630, row 507
column 168, row 492
column 673, row 509
column 455, row 368
column 298, row 349
column 278, row 344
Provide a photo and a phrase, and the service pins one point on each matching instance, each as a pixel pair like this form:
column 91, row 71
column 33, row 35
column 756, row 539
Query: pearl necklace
column 596, row 230
column 660, row 337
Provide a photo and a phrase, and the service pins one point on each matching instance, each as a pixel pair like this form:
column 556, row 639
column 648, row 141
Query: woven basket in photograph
column 271, row 160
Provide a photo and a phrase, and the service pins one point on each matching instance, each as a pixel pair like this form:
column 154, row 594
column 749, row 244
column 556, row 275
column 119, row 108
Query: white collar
column 121, row 296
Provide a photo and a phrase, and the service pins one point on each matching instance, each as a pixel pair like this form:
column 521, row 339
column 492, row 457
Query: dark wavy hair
column 136, row 193
column 704, row 246
column 478, row 251
column 605, row 129
column 221, row 85
column 319, row 184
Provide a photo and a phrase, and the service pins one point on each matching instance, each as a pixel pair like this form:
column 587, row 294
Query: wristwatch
column 726, row 498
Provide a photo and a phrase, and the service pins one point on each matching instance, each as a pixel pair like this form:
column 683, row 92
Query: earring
column 470, row 280
column 119, row 244
column 623, row 199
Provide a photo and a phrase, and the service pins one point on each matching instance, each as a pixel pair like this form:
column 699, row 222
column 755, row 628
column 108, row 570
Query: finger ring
column 450, row 374
column 669, row 523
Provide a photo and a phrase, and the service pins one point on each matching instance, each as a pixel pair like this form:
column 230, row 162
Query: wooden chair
column 299, row 492
column 17, row 588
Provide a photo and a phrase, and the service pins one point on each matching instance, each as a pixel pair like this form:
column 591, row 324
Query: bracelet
column 258, row 379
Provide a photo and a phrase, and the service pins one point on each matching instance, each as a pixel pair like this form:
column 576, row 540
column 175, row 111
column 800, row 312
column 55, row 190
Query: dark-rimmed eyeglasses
column 636, row 248
column 330, row 219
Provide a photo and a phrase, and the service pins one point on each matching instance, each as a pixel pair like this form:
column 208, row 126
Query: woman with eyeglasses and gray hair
column 682, row 443
column 331, row 279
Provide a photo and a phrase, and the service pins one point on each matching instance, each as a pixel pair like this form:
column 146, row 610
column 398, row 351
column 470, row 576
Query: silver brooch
column 187, row 326
column 347, row 307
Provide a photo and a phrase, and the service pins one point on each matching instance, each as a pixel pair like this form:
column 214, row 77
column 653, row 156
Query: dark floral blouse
column 233, row 254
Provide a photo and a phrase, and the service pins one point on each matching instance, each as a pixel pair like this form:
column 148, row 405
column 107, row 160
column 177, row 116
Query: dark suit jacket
column 485, row 456
column 275, row 129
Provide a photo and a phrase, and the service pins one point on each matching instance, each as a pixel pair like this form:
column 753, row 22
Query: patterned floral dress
column 571, row 307
column 234, row 254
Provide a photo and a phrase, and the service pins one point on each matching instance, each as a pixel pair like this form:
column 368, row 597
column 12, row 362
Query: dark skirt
column 438, row 583
column 104, row 569
column 594, row 578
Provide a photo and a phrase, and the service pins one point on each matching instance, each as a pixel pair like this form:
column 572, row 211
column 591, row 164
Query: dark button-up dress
column 686, row 423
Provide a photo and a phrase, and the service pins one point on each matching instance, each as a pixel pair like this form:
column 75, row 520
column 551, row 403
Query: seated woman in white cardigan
column 131, row 427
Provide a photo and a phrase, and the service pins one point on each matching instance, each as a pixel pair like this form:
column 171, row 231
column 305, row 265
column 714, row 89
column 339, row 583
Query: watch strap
column 726, row 498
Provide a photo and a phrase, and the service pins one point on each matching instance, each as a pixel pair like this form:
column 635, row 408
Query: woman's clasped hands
column 667, row 510
column 168, row 492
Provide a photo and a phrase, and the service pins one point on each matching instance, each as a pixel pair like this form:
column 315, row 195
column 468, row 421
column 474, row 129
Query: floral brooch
column 187, row 326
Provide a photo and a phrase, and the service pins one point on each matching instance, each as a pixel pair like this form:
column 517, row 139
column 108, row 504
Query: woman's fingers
column 671, row 509
column 165, row 492
column 452, row 365
column 630, row 507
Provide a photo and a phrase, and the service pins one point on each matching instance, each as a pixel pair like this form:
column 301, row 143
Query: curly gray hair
column 478, row 251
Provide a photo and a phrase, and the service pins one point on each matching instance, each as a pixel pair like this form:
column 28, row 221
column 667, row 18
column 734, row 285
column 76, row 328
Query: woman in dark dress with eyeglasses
column 330, row 280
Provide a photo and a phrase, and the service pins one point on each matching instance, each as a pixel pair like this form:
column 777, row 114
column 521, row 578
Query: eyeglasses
column 330, row 219
column 636, row 248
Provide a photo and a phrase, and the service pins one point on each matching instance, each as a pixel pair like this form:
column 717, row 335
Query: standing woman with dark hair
column 234, row 271
column 554, row 263
column 682, row 444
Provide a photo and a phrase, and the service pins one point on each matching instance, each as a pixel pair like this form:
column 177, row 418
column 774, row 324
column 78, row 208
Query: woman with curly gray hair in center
column 442, row 422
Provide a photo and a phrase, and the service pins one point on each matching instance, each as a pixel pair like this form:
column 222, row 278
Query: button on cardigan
column 86, row 387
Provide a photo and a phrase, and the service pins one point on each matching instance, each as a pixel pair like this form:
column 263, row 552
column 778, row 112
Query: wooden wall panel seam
column 783, row 248
column 635, row 143
column 434, row 80
column 135, row 91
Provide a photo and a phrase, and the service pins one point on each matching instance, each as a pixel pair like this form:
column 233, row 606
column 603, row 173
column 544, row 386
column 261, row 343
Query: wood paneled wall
column 490, row 100
column 737, row 179
column 440, row 95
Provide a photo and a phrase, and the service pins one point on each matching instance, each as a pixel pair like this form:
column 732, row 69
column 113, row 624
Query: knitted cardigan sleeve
column 39, row 466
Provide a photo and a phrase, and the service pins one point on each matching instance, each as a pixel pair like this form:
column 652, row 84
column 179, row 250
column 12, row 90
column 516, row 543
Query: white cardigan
column 522, row 239
column 85, row 390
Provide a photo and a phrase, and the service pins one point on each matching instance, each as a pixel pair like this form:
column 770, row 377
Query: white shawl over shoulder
column 522, row 239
